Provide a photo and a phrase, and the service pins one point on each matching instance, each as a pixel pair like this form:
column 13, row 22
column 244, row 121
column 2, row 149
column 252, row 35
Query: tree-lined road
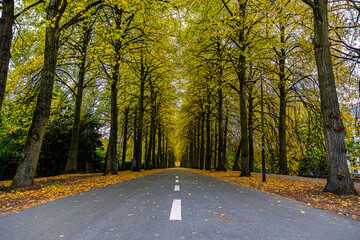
column 143, row 208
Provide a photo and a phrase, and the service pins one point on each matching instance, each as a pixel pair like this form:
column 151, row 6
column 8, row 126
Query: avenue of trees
column 89, row 85
column 302, row 50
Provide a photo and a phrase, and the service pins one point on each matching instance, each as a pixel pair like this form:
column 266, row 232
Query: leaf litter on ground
column 310, row 193
column 48, row 189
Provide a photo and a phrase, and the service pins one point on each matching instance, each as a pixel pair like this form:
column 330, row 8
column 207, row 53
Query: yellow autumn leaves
column 51, row 188
column 303, row 191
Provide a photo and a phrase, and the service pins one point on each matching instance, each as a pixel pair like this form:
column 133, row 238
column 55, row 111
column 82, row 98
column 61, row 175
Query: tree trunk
column 283, row 102
column 111, row 167
column 339, row 180
column 251, row 131
column 191, row 154
column 139, row 137
column 202, row 140
column 241, row 74
column 71, row 166
column 159, row 146
column 163, row 151
column 148, row 150
column 152, row 128
column 208, row 135
column 245, row 171
column 146, row 158
column 221, row 162
column 111, row 164
column 26, row 171
column 168, row 164
column 125, row 137
column 215, row 147
column 153, row 155
column 134, row 132
column 237, row 157
column 6, row 34
column 197, row 158
column 226, row 129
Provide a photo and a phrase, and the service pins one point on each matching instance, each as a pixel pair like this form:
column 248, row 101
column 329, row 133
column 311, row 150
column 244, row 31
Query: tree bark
column 168, row 164
column 153, row 155
column 245, row 171
column 71, row 166
column 215, row 147
column 139, row 137
column 148, row 148
column 134, row 131
column 111, row 164
column 338, row 180
column 197, row 158
column 226, row 130
column 202, row 139
column 26, row 171
column 146, row 158
column 125, row 137
column 151, row 160
column 163, row 158
column 237, row 157
column 251, row 131
column 191, row 154
column 241, row 74
column 208, row 135
column 158, row 156
column 6, row 34
column 221, row 159
column 283, row 102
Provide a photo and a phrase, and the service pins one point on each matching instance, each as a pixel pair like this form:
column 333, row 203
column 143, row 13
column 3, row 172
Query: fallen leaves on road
column 310, row 193
column 224, row 218
column 51, row 188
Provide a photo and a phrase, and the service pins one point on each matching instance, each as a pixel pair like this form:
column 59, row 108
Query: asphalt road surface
column 176, row 204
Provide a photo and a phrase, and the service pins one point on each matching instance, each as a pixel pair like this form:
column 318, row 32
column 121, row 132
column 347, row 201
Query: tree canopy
column 93, row 84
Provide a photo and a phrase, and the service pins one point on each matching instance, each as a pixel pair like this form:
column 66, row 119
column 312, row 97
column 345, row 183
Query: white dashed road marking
column 177, row 188
column 175, row 213
column 176, row 181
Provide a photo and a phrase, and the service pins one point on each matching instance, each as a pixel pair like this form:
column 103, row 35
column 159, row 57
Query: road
column 176, row 204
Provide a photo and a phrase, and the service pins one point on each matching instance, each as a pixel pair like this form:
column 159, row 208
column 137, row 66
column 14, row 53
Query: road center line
column 177, row 177
column 177, row 188
column 177, row 181
column 175, row 213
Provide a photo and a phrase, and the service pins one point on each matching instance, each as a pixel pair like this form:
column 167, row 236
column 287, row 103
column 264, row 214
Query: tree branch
column 27, row 8
column 227, row 8
column 76, row 18
column 310, row 3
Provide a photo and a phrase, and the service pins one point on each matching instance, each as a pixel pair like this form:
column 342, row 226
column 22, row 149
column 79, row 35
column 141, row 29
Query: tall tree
column 338, row 180
column 150, row 150
column 202, row 136
column 117, row 44
column 71, row 166
column 143, row 68
column 208, row 132
column 54, row 12
column 283, row 102
column 125, row 137
column 6, row 34
column 7, row 20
